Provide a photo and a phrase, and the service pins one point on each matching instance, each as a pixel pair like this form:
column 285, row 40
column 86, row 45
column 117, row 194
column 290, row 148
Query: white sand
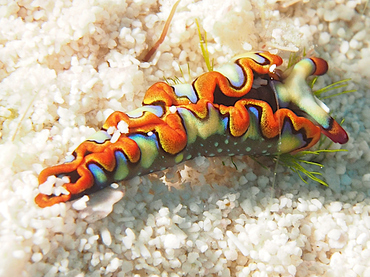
column 64, row 67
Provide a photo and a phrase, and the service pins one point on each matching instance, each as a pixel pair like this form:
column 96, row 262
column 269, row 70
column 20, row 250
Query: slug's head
column 294, row 93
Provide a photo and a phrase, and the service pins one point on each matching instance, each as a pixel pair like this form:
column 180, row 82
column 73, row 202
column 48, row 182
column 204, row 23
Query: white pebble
column 46, row 188
column 330, row 15
column 362, row 239
column 274, row 207
column 359, row 36
column 201, row 245
column 36, row 257
column 317, row 203
column 192, row 257
column 237, row 243
column 122, row 127
column 173, row 109
column 251, row 176
column 127, row 266
column 292, row 270
column 359, row 269
column 81, row 203
column 114, row 185
column 335, row 207
column 113, row 265
column 111, row 130
column 334, row 234
column 145, row 253
column 344, row 47
column 324, row 38
column 106, row 236
column 354, row 44
column 264, row 255
column 171, row 241
column 115, row 136
column 230, row 255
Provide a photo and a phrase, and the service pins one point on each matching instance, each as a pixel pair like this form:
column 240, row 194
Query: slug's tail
column 335, row 132
column 95, row 165
column 61, row 182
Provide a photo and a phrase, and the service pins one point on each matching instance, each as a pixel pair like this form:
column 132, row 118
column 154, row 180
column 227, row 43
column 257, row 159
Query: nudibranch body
column 246, row 107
